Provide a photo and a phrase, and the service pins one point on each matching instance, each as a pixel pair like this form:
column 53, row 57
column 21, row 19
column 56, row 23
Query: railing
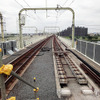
column 90, row 49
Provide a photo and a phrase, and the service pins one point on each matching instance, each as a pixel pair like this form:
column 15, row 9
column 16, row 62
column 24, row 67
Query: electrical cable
column 90, row 25
column 94, row 28
column 26, row 3
column 21, row 6
column 71, row 2
column 18, row 3
column 57, row 18
column 30, row 7
column 30, row 17
column 65, row 2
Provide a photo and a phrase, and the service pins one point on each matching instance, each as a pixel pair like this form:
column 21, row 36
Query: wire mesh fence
column 90, row 49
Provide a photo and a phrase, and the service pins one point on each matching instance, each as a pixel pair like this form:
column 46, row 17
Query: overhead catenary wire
column 89, row 25
column 22, row 7
column 46, row 11
column 34, row 12
column 57, row 18
column 30, row 17
column 71, row 2
column 18, row 3
column 65, row 2
column 26, row 3
column 95, row 28
column 69, row 5
column 28, row 6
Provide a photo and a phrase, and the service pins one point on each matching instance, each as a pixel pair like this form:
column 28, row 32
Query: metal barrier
column 1, row 46
column 90, row 49
column 8, row 47
column 8, row 70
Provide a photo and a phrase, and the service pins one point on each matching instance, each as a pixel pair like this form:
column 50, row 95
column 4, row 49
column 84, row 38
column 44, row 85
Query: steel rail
column 88, row 71
column 22, row 61
column 69, row 63
column 92, row 72
column 60, row 66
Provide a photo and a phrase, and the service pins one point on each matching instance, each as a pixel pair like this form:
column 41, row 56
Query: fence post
column 80, row 45
column 86, row 49
column 94, row 52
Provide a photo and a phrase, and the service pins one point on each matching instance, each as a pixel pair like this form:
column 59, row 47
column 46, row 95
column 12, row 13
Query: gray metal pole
column 2, row 82
column 2, row 27
column 20, row 31
column 21, row 79
column 73, row 29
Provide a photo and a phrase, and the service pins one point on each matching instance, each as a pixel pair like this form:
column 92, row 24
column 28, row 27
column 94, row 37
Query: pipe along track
column 22, row 62
column 63, row 61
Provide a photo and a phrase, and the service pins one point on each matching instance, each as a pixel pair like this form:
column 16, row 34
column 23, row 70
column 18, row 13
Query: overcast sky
column 87, row 14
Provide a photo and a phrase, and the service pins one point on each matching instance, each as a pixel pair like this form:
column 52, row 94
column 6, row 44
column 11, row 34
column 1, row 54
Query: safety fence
column 90, row 49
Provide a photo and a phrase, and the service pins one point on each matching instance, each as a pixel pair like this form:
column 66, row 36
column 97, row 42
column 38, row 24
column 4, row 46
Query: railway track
column 91, row 74
column 63, row 62
column 22, row 62
column 89, row 70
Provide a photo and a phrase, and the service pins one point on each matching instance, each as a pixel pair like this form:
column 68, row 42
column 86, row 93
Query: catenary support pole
column 57, row 8
column 20, row 31
column 2, row 33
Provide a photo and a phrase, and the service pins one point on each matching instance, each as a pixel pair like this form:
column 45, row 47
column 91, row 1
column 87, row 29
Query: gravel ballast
column 43, row 69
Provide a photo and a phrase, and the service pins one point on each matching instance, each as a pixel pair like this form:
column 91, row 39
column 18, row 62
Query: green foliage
column 86, row 38
column 95, row 37
column 83, row 37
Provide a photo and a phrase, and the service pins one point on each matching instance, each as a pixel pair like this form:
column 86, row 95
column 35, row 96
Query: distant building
column 94, row 34
column 91, row 34
column 79, row 31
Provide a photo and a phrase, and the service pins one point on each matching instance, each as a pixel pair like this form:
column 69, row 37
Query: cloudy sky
column 87, row 14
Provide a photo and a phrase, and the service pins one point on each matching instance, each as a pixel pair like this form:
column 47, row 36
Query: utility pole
column 1, row 17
